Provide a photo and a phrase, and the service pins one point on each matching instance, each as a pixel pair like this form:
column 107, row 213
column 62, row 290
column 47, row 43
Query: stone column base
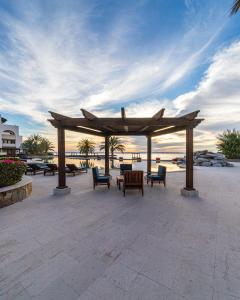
column 60, row 192
column 189, row 193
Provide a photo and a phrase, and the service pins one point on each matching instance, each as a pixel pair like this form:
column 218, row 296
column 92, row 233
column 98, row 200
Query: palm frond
column 235, row 7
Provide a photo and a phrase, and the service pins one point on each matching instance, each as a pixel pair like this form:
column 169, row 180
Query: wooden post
column 106, row 155
column 189, row 159
column 149, row 154
column 61, row 159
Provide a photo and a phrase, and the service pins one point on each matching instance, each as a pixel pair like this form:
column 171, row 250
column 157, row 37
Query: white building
column 10, row 140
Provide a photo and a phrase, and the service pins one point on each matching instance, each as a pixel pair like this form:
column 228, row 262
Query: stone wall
column 15, row 193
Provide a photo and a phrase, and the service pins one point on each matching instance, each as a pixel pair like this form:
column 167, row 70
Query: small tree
column 229, row 143
column 37, row 145
column 114, row 145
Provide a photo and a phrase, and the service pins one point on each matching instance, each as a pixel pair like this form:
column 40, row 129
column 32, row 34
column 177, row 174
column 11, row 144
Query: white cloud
column 217, row 95
column 64, row 65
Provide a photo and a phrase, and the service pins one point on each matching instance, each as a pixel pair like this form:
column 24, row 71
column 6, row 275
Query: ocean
column 165, row 160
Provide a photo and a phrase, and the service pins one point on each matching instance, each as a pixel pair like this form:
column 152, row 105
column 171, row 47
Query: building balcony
column 9, row 146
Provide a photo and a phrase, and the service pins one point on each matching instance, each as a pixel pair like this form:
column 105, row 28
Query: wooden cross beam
column 118, row 122
column 157, row 125
column 159, row 114
column 191, row 115
column 172, row 129
column 168, row 130
column 123, row 114
column 59, row 117
column 84, row 130
column 88, row 115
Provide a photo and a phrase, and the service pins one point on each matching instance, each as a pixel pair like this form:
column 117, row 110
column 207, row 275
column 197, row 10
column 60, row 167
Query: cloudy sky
column 63, row 55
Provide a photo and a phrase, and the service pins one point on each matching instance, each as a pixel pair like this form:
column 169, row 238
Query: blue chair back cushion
column 95, row 173
column 125, row 167
column 161, row 171
column 99, row 178
column 161, row 174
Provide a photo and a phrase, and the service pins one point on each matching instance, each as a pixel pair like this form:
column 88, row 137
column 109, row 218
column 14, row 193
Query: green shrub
column 11, row 171
column 229, row 143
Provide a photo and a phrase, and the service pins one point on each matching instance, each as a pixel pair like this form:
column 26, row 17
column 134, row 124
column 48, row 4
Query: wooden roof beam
column 58, row 117
column 172, row 129
column 118, row 122
column 58, row 124
column 143, row 128
column 190, row 116
column 88, row 115
column 159, row 114
column 84, row 130
column 168, row 130
column 123, row 113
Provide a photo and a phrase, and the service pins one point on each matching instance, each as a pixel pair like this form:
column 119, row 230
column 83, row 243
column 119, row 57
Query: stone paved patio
column 99, row 245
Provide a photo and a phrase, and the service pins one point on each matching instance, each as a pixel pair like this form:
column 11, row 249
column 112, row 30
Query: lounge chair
column 51, row 169
column 100, row 179
column 35, row 168
column 133, row 180
column 74, row 169
column 160, row 176
column 69, row 171
column 125, row 167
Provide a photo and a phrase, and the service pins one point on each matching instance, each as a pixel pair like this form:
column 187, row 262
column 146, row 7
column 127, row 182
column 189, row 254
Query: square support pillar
column 189, row 190
column 106, row 155
column 61, row 189
column 149, row 154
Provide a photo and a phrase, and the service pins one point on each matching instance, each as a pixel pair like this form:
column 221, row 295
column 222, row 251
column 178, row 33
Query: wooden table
column 120, row 179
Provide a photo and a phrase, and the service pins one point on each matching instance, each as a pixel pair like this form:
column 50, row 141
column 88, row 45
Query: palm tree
column 37, row 145
column 235, row 7
column 114, row 145
column 86, row 146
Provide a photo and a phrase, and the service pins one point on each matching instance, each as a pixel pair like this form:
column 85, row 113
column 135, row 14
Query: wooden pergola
column 157, row 125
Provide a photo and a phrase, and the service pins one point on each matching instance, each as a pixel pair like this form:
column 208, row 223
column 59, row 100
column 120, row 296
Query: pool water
column 136, row 165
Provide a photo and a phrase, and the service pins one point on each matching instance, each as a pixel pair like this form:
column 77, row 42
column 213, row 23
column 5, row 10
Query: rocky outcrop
column 206, row 158
column 209, row 159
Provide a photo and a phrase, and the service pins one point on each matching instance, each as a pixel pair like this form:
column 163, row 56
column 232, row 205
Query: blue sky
column 100, row 55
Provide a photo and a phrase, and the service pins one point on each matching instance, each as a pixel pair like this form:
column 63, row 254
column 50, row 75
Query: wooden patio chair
column 133, row 180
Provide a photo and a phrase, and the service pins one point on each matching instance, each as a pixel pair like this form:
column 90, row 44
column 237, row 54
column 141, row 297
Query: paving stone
column 13, row 290
column 36, row 281
column 121, row 276
column 57, row 290
column 104, row 289
column 81, row 276
column 145, row 288
column 191, row 283
column 100, row 245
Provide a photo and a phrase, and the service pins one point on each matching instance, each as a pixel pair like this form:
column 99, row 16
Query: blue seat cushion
column 155, row 177
column 103, row 178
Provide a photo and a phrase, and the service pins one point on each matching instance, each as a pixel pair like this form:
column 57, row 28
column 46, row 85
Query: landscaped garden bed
column 14, row 186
